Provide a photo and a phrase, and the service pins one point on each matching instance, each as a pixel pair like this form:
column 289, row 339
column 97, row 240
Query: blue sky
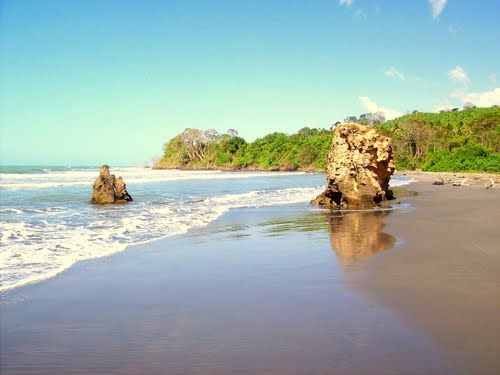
column 88, row 82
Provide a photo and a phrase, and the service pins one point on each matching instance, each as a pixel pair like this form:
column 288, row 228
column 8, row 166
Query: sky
column 110, row 81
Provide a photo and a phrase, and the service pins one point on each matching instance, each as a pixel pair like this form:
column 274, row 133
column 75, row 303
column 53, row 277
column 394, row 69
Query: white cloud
column 359, row 13
column 441, row 105
column 458, row 75
column 393, row 72
column 493, row 78
column 368, row 104
column 437, row 7
column 480, row 99
column 371, row 106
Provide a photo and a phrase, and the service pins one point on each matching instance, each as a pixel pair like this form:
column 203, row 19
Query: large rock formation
column 108, row 189
column 359, row 168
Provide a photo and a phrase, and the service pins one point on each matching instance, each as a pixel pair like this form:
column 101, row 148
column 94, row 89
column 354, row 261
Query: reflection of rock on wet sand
column 356, row 236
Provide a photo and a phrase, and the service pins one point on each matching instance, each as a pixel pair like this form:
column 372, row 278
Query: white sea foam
column 401, row 181
column 44, row 230
column 58, row 179
column 35, row 251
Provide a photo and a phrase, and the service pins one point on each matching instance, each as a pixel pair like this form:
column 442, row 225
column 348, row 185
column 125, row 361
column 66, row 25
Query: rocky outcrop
column 360, row 164
column 108, row 189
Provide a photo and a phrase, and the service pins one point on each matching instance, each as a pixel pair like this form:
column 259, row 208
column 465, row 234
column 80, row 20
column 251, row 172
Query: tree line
column 455, row 141
column 207, row 149
column 451, row 141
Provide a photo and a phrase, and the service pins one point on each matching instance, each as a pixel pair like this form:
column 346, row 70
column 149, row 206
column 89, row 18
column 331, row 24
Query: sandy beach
column 444, row 277
column 280, row 290
column 190, row 188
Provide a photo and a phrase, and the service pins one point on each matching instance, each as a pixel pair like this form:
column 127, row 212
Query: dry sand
column 444, row 277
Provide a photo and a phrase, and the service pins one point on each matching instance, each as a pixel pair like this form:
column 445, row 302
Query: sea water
column 47, row 223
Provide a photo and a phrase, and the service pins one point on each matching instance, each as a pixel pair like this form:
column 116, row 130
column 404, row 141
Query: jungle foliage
column 452, row 141
column 305, row 150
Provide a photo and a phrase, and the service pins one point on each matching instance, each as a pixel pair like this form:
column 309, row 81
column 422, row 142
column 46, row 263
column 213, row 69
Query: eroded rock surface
column 108, row 189
column 360, row 164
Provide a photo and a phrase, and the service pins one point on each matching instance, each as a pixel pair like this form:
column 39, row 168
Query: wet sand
column 444, row 278
column 260, row 291
column 279, row 290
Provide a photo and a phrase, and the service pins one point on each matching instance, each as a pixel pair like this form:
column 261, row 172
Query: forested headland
column 465, row 140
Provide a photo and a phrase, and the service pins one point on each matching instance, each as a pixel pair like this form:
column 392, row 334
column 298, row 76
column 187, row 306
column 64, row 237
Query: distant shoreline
column 224, row 169
column 476, row 175
column 451, row 175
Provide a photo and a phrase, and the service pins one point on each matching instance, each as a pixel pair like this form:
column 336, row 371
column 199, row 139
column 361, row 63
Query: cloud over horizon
column 371, row 106
column 479, row 99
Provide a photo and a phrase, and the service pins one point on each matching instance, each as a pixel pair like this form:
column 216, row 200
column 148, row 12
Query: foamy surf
column 47, row 179
column 46, row 229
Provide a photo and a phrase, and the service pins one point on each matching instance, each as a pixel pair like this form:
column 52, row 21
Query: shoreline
column 226, row 299
column 495, row 176
column 123, row 246
column 432, row 296
column 451, row 175
column 230, row 169
column 476, row 176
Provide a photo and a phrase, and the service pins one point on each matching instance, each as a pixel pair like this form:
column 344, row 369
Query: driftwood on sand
column 462, row 182
column 466, row 180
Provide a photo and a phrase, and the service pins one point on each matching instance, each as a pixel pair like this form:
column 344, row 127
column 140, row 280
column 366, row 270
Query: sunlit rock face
column 108, row 189
column 360, row 165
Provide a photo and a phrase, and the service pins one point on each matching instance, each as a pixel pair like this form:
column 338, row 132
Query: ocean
column 47, row 223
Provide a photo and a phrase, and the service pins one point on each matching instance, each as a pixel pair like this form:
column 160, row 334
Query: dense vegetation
column 305, row 150
column 454, row 141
